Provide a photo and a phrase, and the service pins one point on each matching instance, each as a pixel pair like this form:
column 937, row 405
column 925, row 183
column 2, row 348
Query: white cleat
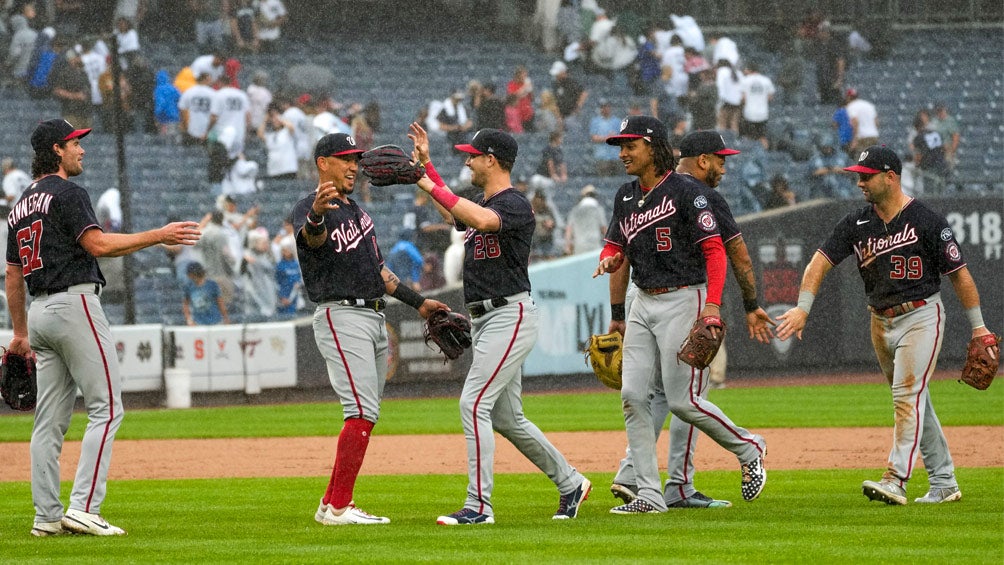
column 350, row 515
column 45, row 529
column 80, row 522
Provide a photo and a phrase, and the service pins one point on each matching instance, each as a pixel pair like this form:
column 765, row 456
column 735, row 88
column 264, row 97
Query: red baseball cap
column 51, row 132
column 877, row 159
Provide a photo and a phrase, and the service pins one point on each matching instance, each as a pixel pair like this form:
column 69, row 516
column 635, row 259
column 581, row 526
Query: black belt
column 899, row 309
column 97, row 289
column 375, row 304
column 479, row 309
column 662, row 290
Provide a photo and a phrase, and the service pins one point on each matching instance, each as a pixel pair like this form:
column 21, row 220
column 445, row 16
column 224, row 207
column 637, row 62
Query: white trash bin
column 178, row 386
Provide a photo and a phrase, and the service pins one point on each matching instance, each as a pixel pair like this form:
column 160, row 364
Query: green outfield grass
column 767, row 407
column 802, row 516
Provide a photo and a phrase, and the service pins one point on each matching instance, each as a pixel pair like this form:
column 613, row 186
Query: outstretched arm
column 757, row 321
column 101, row 244
column 450, row 205
column 793, row 321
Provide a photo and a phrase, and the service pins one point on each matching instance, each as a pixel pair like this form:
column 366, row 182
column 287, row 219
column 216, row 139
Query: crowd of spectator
column 691, row 81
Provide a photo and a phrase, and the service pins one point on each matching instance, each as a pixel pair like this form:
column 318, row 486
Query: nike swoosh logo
column 860, row 222
column 628, row 198
column 102, row 526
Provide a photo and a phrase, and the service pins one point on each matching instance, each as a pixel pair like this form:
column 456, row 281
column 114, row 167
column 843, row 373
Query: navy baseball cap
column 51, row 132
column 491, row 142
column 639, row 127
column 704, row 142
column 335, row 145
column 877, row 159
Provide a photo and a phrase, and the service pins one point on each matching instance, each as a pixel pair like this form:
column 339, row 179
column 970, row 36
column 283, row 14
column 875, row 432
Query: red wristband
column 434, row 174
column 444, row 197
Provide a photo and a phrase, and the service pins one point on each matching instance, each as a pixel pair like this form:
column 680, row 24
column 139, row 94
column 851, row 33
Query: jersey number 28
column 29, row 241
column 486, row 246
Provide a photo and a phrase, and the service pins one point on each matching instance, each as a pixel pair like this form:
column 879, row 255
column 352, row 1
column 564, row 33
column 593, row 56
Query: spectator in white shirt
column 758, row 90
column 730, row 96
column 196, row 105
column 271, row 18
column 231, row 109
column 211, row 64
column 864, row 122
column 260, row 97
column 14, row 181
column 278, row 135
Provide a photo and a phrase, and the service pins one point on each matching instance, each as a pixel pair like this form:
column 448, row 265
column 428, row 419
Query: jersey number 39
column 29, row 241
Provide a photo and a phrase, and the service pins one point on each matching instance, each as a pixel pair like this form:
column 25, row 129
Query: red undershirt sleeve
column 714, row 258
column 609, row 250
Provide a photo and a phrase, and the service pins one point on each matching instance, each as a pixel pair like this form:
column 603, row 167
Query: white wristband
column 805, row 299
column 975, row 316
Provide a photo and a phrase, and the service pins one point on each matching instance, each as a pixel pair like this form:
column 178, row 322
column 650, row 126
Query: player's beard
column 72, row 167
column 713, row 178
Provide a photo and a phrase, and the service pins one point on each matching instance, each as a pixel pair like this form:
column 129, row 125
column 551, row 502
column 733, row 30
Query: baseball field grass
column 803, row 516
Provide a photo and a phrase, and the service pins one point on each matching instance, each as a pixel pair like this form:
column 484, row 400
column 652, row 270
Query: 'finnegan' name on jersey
column 875, row 246
column 636, row 222
column 38, row 202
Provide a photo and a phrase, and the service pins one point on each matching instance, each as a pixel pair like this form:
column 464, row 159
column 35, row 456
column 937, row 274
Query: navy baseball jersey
column 727, row 226
column 495, row 264
column 900, row 261
column 645, row 226
column 43, row 229
column 349, row 262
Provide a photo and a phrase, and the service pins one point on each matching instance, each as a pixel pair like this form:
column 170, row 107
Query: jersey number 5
column 29, row 241
column 662, row 240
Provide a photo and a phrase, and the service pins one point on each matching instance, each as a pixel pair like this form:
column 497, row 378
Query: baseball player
column 344, row 273
column 702, row 156
column 498, row 229
column 902, row 248
column 52, row 245
column 664, row 235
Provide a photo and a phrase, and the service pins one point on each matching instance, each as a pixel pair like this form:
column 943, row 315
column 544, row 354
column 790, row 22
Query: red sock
column 352, row 444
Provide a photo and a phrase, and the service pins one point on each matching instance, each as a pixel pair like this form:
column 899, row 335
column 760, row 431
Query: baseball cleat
column 568, row 505
column 80, row 522
column 754, row 477
column 322, row 509
column 626, row 493
column 700, row 500
column 939, row 495
column 351, row 516
column 465, row 517
column 885, row 491
column 636, row 506
column 45, row 529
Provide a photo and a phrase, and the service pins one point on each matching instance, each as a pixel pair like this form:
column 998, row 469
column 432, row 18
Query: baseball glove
column 450, row 331
column 389, row 164
column 981, row 361
column 701, row 345
column 17, row 381
column 605, row 353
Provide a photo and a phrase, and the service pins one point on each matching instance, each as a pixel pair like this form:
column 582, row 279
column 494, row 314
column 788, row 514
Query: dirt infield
column 789, row 448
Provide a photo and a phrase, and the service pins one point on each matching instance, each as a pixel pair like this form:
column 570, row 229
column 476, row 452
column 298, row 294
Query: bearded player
column 902, row 248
